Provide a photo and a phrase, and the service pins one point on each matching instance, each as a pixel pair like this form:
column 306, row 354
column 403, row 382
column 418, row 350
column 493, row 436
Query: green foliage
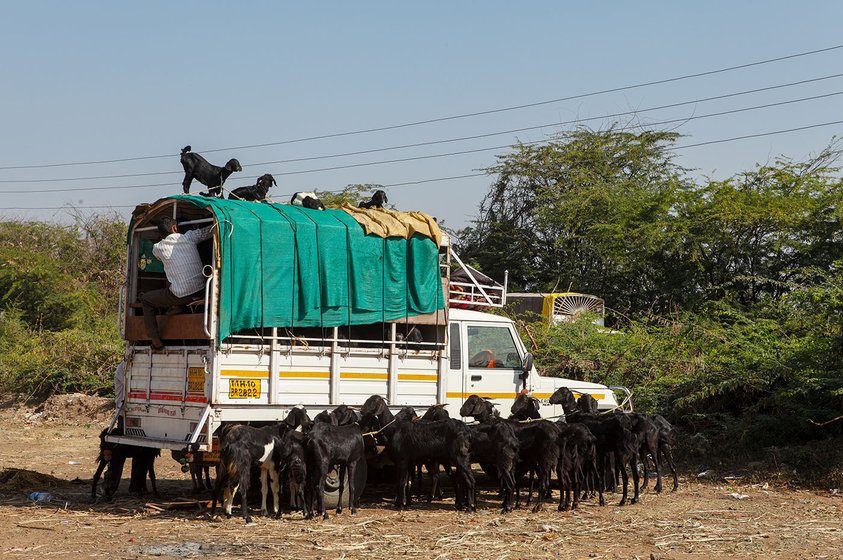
column 727, row 296
column 58, row 296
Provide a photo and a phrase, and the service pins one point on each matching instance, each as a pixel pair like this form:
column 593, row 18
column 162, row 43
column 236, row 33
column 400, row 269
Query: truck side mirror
column 527, row 364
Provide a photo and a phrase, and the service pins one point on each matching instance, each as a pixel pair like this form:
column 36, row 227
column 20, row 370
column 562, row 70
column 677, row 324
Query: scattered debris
column 738, row 496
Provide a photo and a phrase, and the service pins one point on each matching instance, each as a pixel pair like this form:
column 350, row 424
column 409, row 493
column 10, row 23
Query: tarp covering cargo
column 286, row 266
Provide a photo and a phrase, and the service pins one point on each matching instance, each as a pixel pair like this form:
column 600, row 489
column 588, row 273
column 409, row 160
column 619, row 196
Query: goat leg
column 342, row 471
column 102, row 464
column 351, row 469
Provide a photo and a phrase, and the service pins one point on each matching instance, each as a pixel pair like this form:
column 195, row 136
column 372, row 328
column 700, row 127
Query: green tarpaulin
column 287, row 266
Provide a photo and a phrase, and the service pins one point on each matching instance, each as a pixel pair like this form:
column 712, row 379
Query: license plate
column 207, row 456
column 244, row 388
column 196, row 380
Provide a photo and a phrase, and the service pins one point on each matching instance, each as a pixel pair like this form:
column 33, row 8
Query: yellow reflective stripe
column 316, row 374
column 597, row 396
column 511, row 395
column 244, row 373
column 327, row 375
column 418, row 377
column 363, row 375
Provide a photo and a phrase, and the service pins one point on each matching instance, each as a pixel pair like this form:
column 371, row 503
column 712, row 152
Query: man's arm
column 199, row 235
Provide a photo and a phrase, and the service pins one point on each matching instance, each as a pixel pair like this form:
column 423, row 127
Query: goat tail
column 185, row 149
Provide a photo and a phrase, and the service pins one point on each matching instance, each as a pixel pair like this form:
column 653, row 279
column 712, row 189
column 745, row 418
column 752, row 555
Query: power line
column 447, row 154
column 558, row 123
column 439, row 179
column 451, row 117
column 760, row 134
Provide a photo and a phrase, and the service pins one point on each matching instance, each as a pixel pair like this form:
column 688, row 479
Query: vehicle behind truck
column 313, row 308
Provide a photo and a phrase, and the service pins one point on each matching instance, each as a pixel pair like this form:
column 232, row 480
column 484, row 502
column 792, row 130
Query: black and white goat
column 377, row 201
column 307, row 200
column 256, row 192
column 241, row 448
column 212, row 176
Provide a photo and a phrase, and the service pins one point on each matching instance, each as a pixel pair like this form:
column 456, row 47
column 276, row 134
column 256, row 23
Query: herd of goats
column 588, row 451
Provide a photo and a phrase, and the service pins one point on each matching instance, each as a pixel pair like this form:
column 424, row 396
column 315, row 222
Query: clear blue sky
column 89, row 80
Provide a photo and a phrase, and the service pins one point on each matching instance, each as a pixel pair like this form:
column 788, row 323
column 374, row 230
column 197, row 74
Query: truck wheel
column 332, row 486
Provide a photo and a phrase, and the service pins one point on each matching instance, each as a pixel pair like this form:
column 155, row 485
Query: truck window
column 456, row 361
column 492, row 347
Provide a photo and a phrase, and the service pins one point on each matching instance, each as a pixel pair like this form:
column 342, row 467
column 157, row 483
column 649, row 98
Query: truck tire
column 331, row 492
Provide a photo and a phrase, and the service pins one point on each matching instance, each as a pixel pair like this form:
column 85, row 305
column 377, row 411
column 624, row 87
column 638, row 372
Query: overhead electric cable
column 446, row 154
column 451, row 117
column 409, row 183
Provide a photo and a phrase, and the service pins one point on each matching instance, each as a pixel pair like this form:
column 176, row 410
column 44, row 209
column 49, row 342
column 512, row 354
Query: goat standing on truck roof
column 183, row 268
column 212, row 176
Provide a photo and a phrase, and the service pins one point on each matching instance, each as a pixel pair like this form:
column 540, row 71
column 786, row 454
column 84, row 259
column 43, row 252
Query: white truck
column 215, row 371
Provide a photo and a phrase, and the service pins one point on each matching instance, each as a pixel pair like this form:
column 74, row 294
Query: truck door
column 494, row 364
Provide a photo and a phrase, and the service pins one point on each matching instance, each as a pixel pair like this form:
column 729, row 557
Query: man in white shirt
column 183, row 268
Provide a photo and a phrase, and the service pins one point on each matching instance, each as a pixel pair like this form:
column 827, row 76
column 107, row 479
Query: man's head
column 165, row 225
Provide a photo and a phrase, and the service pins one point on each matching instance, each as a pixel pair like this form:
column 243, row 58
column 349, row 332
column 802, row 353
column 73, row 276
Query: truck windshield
column 492, row 347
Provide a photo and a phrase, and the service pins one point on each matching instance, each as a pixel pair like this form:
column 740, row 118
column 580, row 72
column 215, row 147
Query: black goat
column 256, row 192
column 326, row 446
column 213, row 177
column 241, row 448
column 412, row 442
column 343, row 415
column 196, row 470
column 307, row 200
column 647, row 434
column 326, row 417
column 614, row 440
column 377, row 201
column 297, row 417
column 496, row 444
column 577, row 468
column 587, row 404
column 538, row 443
column 577, row 453
column 292, row 468
column 434, row 413
column 114, row 455
column 666, row 442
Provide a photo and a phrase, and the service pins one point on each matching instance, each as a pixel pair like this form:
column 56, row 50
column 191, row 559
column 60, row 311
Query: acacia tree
column 751, row 235
column 593, row 210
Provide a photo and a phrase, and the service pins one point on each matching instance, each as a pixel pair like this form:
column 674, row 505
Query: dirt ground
column 55, row 446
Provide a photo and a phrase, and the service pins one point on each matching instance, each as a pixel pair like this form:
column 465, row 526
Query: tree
column 593, row 210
